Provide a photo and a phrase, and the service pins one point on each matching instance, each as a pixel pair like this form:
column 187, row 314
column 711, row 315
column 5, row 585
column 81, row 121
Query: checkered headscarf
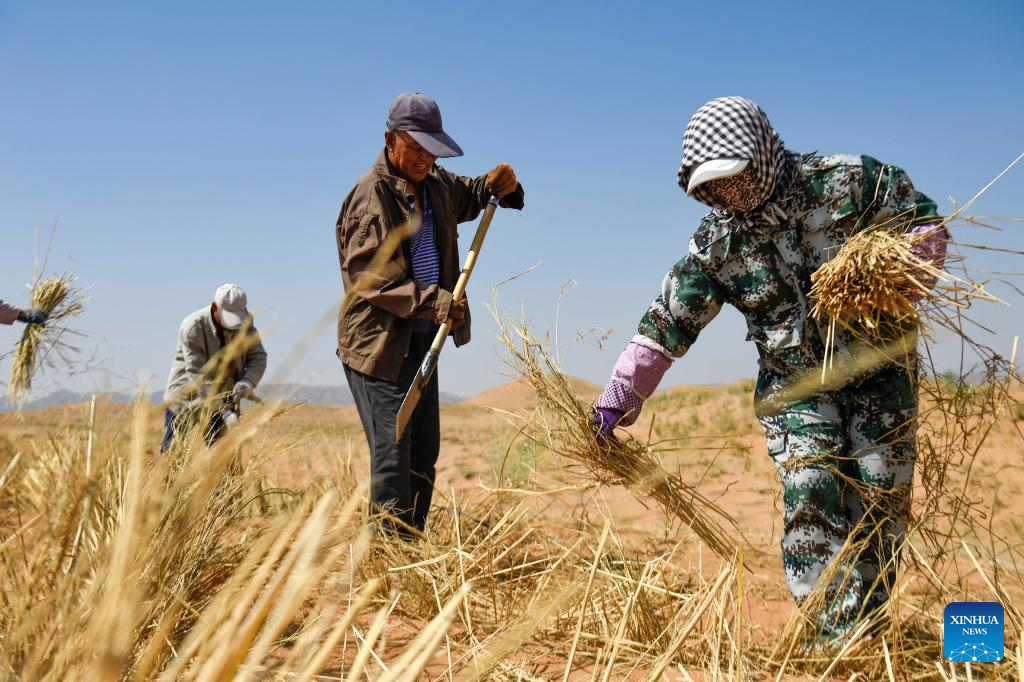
column 736, row 128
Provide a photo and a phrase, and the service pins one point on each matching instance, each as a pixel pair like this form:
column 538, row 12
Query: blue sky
column 184, row 145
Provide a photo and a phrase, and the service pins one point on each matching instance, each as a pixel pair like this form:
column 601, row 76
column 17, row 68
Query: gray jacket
column 198, row 343
column 8, row 312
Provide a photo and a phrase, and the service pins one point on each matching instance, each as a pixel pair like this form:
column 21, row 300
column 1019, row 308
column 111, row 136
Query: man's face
column 408, row 157
column 739, row 193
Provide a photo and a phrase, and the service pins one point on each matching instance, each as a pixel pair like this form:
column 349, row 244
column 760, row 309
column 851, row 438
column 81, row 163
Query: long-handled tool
column 429, row 364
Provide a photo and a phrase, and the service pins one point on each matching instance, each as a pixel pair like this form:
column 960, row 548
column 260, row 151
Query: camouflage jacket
column 765, row 271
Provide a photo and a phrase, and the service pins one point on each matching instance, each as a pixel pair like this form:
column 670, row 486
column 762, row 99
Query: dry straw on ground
column 42, row 345
column 117, row 564
column 120, row 564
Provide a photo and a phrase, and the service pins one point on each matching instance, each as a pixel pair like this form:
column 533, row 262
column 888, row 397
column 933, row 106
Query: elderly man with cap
column 846, row 456
column 218, row 354
column 398, row 248
column 10, row 314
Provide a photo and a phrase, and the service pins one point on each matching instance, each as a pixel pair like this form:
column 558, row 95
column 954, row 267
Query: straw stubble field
column 119, row 564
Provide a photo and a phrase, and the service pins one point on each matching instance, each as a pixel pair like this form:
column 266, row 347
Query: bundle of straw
column 61, row 301
column 563, row 424
column 873, row 288
column 872, row 282
column 869, row 288
column 875, row 278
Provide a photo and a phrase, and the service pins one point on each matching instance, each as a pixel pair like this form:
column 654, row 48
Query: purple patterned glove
column 605, row 419
column 928, row 244
column 635, row 377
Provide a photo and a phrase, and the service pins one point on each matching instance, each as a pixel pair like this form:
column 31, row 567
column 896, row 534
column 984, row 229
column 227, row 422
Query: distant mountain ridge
column 289, row 392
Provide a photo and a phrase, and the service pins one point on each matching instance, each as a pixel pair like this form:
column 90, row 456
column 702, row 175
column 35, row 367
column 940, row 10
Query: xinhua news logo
column 972, row 632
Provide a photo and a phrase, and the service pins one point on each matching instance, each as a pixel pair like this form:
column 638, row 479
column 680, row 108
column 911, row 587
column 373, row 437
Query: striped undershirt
column 426, row 264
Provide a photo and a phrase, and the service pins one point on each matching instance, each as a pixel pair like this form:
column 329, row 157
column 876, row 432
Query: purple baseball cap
column 419, row 115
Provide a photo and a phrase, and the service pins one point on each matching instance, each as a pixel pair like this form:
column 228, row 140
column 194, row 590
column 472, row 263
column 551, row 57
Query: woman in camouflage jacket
column 845, row 457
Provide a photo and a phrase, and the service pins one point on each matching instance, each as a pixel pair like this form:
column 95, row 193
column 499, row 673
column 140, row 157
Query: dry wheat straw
column 562, row 423
column 185, row 567
column 40, row 343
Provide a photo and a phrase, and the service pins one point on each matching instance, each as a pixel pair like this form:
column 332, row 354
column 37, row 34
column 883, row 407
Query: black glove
column 33, row 316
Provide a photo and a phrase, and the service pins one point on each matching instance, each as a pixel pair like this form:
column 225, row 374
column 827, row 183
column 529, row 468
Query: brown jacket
column 381, row 297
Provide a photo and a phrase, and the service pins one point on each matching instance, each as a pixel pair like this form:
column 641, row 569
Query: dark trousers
column 402, row 473
column 183, row 419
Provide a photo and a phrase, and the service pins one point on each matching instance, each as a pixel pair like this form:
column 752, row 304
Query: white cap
column 231, row 301
column 714, row 169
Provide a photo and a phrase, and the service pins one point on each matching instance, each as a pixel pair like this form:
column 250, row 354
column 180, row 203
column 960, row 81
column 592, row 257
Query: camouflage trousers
column 846, row 462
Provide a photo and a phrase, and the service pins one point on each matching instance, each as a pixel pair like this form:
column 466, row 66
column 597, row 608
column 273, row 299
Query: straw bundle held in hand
column 875, row 278
column 872, row 282
column 563, row 425
column 61, row 301
column 873, row 286
column 869, row 288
